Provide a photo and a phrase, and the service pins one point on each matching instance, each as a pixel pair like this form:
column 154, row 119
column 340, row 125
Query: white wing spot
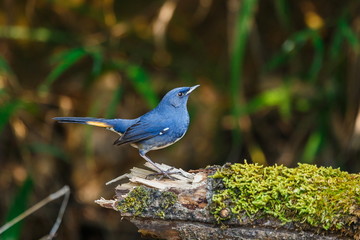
column 163, row 131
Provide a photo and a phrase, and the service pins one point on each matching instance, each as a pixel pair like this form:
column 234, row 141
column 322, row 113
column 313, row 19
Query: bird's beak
column 192, row 89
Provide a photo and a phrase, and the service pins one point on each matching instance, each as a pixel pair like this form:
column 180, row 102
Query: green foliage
column 48, row 149
column 4, row 67
column 320, row 77
column 8, row 105
column 33, row 34
column 140, row 79
column 282, row 12
column 241, row 34
column 293, row 46
column 277, row 97
column 244, row 19
column 343, row 32
column 322, row 197
column 63, row 62
column 142, row 83
column 18, row 206
column 8, row 108
column 313, row 146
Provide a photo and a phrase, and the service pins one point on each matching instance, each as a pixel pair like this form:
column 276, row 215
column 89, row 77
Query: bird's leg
column 167, row 173
column 163, row 173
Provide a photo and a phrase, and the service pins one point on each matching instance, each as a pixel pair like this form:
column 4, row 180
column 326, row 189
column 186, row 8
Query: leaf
column 242, row 26
column 343, row 32
column 282, row 10
column 19, row 205
column 7, row 110
column 277, row 97
column 317, row 62
column 48, row 149
column 241, row 34
column 312, row 147
column 336, row 42
column 98, row 59
column 350, row 35
column 64, row 62
column 4, row 66
column 293, row 45
column 141, row 81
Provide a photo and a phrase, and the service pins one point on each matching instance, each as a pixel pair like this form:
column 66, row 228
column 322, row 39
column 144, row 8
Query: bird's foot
column 163, row 174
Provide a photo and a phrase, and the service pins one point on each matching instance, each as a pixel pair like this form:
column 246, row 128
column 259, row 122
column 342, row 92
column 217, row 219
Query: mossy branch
column 244, row 201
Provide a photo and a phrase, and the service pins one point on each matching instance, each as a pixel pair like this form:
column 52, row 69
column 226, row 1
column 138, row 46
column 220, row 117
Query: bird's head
column 178, row 96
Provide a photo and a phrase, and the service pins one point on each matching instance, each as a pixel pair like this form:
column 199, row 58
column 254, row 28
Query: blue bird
column 159, row 128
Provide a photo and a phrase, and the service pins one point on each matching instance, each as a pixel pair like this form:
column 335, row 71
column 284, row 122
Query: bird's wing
column 141, row 130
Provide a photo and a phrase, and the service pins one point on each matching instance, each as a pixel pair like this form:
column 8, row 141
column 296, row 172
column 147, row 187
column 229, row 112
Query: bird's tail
column 99, row 122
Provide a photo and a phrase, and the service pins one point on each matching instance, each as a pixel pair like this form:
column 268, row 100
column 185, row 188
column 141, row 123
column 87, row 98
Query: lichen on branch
column 140, row 198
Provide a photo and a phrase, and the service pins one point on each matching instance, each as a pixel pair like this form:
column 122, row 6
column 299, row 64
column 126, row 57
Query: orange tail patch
column 98, row 124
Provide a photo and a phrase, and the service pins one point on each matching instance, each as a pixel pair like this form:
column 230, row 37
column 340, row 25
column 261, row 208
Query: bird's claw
column 163, row 174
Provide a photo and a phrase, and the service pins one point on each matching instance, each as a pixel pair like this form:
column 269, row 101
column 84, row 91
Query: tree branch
column 201, row 204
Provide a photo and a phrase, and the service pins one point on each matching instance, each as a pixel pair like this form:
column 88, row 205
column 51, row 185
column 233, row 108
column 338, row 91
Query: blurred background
column 280, row 84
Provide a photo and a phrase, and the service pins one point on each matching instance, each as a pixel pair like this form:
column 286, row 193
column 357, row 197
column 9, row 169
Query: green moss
column 136, row 201
column 322, row 197
column 160, row 214
column 168, row 199
column 147, row 200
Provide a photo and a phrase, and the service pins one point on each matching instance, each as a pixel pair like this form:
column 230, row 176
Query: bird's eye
column 180, row 94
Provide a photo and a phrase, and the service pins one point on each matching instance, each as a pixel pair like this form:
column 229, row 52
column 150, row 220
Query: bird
column 161, row 127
